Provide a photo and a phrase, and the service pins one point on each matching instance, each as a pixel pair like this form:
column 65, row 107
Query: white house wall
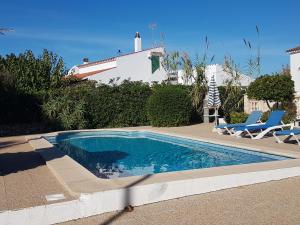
column 220, row 76
column 136, row 67
column 295, row 71
column 101, row 66
column 105, row 77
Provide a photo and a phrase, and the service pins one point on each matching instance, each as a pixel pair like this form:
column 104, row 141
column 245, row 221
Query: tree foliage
column 171, row 63
column 276, row 88
column 25, row 82
column 27, row 73
column 232, row 94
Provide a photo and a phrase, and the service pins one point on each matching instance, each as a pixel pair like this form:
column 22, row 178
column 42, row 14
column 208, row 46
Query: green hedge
column 19, row 107
column 86, row 106
column 169, row 105
column 119, row 106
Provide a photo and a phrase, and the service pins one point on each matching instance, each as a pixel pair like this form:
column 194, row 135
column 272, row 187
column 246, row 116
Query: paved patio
column 25, row 180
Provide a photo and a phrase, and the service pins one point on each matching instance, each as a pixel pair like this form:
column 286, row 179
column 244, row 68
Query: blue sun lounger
column 253, row 118
column 289, row 133
column 273, row 123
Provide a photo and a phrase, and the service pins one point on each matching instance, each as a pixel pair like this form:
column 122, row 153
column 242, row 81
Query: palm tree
column 187, row 68
column 196, row 73
column 171, row 63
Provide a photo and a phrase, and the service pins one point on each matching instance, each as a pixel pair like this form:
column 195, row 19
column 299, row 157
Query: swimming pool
column 113, row 154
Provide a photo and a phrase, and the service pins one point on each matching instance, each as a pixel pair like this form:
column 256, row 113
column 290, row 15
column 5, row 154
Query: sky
column 98, row 29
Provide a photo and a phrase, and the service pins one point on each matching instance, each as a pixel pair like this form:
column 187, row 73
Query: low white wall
column 107, row 201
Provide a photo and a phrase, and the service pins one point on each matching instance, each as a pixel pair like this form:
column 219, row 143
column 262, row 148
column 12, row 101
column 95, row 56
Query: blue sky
column 98, row 29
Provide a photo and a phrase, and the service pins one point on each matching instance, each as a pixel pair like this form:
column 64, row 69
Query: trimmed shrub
column 238, row 117
column 232, row 100
column 169, row 105
column 131, row 106
column 66, row 107
column 18, row 108
column 119, row 106
column 85, row 106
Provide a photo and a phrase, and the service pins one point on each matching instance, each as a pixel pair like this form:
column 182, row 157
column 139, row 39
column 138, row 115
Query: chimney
column 137, row 42
column 85, row 60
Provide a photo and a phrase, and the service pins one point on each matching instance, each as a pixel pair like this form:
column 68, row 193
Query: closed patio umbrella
column 213, row 96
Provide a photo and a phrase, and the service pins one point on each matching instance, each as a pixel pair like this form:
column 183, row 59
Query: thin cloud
column 63, row 36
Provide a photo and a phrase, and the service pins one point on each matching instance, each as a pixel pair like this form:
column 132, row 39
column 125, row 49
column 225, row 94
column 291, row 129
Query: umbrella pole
column 216, row 117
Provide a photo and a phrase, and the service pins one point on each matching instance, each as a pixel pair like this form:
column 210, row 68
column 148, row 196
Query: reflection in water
column 102, row 164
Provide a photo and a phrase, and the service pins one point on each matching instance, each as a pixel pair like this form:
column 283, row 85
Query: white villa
column 141, row 65
column 295, row 73
column 144, row 65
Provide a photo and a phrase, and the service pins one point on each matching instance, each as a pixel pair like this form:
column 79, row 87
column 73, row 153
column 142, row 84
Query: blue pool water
column 112, row 154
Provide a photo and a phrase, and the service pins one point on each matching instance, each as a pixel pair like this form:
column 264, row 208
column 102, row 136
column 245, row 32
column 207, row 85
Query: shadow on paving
column 19, row 161
column 13, row 162
column 127, row 200
column 6, row 144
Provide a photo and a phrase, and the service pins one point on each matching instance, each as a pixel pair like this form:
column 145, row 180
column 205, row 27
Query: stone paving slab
column 25, row 180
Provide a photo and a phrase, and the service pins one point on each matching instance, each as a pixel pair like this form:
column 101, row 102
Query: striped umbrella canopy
column 213, row 94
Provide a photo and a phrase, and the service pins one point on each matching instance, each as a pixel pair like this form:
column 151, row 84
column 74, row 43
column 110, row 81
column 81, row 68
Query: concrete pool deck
column 76, row 180
column 25, row 180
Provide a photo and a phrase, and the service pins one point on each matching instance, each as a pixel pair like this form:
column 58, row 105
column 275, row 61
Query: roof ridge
column 97, row 62
column 294, row 49
column 114, row 58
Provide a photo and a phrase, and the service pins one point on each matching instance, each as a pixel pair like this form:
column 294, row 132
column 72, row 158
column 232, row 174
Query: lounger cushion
column 222, row 126
column 273, row 120
column 288, row 132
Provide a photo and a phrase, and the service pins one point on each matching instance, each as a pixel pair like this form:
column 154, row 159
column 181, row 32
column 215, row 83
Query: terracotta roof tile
column 112, row 58
column 294, row 49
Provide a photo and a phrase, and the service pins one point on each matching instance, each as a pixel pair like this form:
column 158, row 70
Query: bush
column 291, row 112
column 67, row 107
column 85, row 106
column 169, row 105
column 232, row 100
column 18, row 108
column 119, row 106
column 265, row 116
column 238, row 117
